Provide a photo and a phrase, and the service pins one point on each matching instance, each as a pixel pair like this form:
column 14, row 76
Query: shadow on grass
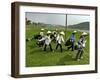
column 35, row 51
column 64, row 59
column 33, row 45
column 39, row 50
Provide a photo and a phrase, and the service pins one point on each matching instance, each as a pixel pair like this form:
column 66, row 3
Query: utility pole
column 66, row 27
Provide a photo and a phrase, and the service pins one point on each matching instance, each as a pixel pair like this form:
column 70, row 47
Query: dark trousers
column 79, row 54
column 46, row 46
column 59, row 45
column 71, row 46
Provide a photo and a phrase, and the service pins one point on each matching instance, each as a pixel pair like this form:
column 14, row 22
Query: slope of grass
column 80, row 26
column 35, row 56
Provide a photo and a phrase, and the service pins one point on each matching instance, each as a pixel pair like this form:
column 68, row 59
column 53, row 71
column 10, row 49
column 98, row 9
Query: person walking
column 48, row 41
column 81, row 46
column 60, row 39
column 72, row 41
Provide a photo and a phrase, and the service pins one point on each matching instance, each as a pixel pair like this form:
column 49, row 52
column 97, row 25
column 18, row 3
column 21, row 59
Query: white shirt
column 84, row 43
column 60, row 39
column 42, row 33
column 47, row 40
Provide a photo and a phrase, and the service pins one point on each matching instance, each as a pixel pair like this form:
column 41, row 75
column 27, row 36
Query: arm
column 63, row 39
column 42, row 39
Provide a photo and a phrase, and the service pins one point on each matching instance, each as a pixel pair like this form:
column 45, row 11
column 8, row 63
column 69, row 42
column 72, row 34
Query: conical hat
column 49, row 32
column 42, row 29
column 74, row 31
column 62, row 33
column 84, row 33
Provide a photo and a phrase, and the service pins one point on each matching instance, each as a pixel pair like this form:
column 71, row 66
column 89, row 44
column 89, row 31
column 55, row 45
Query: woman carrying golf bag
column 81, row 46
column 72, row 41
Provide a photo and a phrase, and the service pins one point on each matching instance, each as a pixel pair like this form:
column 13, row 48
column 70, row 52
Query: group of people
column 58, row 38
column 52, row 36
column 79, row 46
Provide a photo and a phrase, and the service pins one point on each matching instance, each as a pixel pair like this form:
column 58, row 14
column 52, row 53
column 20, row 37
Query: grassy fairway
column 35, row 56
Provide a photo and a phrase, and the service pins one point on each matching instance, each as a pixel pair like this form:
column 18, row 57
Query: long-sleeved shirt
column 42, row 33
column 81, row 42
column 72, row 38
column 47, row 40
column 60, row 39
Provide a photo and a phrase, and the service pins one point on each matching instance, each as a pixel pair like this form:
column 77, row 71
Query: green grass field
column 35, row 56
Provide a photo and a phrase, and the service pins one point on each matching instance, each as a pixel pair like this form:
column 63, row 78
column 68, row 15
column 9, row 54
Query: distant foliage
column 28, row 22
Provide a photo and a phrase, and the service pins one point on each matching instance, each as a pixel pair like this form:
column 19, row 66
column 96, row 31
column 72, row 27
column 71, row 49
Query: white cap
column 84, row 33
column 42, row 29
column 62, row 33
column 49, row 32
column 74, row 31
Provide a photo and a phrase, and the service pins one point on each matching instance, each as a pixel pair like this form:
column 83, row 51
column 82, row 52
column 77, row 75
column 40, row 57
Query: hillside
column 81, row 26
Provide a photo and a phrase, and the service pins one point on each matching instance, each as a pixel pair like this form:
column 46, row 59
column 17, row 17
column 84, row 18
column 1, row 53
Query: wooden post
column 66, row 27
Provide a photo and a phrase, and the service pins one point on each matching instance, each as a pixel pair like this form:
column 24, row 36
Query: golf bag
column 68, row 42
column 76, row 47
column 40, row 42
column 38, row 36
column 53, row 37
